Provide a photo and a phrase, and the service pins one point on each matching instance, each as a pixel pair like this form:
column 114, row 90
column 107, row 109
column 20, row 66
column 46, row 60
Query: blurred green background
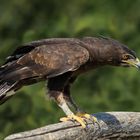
column 104, row 89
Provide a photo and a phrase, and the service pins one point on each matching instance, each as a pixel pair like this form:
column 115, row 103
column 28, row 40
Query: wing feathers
column 45, row 61
column 55, row 59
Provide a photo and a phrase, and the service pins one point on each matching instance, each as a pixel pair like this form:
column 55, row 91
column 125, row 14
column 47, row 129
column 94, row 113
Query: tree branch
column 113, row 125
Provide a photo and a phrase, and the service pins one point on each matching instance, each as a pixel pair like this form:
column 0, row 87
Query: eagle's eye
column 125, row 57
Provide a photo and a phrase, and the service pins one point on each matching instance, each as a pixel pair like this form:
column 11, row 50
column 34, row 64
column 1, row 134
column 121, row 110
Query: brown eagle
column 60, row 61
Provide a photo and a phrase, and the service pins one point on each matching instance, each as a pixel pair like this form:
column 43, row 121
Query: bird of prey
column 60, row 61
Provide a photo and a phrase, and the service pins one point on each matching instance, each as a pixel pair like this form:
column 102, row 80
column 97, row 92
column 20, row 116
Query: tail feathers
column 5, row 88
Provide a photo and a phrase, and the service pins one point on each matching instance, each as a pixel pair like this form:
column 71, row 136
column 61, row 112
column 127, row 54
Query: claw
column 75, row 118
column 92, row 118
column 81, row 118
column 88, row 117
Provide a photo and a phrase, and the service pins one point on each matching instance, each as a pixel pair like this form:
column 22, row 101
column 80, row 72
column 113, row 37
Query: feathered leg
column 69, row 99
column 59, row 90
column 62, row 103
column 79, row 111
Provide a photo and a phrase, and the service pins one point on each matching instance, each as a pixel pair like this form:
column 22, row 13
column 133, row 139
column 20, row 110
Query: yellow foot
column 87, row 116
column 81, row 118
column 75, row 118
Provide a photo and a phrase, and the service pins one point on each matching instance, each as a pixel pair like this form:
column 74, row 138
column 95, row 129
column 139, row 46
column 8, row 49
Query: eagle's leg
column 62, row 103
column 58, row 89
column 79, row 111
column 70, row 100
column 68, row 96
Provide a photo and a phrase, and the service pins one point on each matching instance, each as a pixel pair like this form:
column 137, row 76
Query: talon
column 75, row 118
column 64, row 119
column 88, row 116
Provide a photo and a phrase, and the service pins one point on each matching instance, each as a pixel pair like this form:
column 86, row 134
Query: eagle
column 60, row 61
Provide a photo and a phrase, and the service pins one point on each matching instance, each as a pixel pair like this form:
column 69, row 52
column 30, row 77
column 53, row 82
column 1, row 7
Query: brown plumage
column 60, row 61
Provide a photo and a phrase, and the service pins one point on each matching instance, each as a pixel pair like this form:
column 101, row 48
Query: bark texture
column 113, row 125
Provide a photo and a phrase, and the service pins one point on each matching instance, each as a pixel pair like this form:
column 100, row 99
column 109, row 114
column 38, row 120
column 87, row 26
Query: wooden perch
column 113, row 125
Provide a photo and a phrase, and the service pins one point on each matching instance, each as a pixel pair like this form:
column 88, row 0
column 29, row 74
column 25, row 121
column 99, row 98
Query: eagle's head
column 123, row 56
column 128, row 58
column 112, row 52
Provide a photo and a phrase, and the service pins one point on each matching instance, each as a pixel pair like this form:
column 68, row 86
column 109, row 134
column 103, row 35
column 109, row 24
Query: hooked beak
column 133, row 62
